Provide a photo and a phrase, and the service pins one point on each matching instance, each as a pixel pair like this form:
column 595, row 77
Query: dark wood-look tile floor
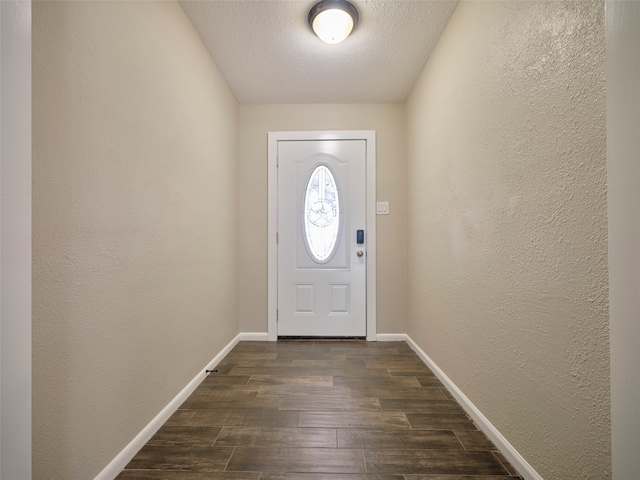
column 320, row 411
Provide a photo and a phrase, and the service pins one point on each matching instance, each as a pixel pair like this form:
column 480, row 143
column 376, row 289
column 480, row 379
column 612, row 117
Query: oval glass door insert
column 321, row 214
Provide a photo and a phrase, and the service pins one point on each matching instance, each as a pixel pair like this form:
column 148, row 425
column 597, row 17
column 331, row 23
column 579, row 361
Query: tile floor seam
column 464, row 447
column 229, row 460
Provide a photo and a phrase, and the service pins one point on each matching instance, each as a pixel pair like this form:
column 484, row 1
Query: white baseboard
column 510, row 453
column 113, row 469
column 391, row 337
column 254, row 337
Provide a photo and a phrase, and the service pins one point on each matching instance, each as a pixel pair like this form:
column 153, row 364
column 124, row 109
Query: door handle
column 360, row 253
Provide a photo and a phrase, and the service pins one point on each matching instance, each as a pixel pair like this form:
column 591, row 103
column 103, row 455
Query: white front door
column 321, row 225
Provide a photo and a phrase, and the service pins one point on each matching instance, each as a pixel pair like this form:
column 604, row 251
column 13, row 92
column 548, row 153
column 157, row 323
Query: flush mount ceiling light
column 333, row 20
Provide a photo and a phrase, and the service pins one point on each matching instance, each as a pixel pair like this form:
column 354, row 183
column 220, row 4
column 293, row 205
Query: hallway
column 319, row 411
column 145, row 244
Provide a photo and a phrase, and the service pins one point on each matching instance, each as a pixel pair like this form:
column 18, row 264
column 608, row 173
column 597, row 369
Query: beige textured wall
column 388, row 120
column 134, row 223
column 507, row 226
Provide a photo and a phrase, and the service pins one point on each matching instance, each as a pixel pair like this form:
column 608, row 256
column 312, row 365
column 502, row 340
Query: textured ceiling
column 268, row 54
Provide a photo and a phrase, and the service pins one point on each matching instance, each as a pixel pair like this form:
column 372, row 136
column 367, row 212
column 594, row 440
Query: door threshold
column 302, row 338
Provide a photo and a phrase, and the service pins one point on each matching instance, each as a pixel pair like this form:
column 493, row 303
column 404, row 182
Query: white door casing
column 333, row 297
column 15, row 239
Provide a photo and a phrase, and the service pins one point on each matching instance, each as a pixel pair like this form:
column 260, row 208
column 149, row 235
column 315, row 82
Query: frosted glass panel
column 321, row 214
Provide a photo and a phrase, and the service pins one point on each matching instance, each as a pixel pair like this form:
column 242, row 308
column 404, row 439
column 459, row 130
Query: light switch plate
column 382, row 208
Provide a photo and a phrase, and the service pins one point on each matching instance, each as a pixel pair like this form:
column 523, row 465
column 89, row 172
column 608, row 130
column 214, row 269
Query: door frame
column 15, row 240
column 370, row 216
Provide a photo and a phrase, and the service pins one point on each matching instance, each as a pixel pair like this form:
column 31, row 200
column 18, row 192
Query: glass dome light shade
column 333, row 26
column 333, row 20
